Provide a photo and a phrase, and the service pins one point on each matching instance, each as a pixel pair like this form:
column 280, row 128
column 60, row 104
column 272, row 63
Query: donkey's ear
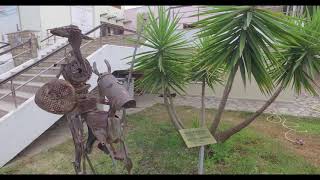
column 86, row 37
column 95, row 69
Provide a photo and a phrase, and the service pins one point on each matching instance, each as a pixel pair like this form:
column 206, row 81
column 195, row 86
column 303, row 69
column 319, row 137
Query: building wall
column 238, row 91
column 47, row 17
column 131, row 15
column 111, row 11
column 8, row 21
column 107, row 11
column 83, row 17
column 54, row 16
column 30, row 18
column 185, row 13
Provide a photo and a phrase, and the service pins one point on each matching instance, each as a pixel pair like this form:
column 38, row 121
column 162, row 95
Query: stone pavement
column 302, row 105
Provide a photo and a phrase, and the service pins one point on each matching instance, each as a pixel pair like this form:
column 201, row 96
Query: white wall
column 30, row 17
column 83, row 17
column 238, row 91
column 131, row 14
column 98, row 10
column 5, row 66
column 8, row 21
column 54, row 16
column 115, row 56
column 111, row 11
column 19, row 128
column 41, row 18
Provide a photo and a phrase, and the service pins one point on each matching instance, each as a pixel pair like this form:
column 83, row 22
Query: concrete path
column 302, row 106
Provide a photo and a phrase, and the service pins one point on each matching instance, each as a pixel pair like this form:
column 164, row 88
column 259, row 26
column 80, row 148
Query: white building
column 42, row 18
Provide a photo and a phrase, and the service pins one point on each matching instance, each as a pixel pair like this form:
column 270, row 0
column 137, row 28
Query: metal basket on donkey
column 56, row 96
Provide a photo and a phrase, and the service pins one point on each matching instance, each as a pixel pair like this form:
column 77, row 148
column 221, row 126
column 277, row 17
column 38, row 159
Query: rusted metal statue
column 71, row 97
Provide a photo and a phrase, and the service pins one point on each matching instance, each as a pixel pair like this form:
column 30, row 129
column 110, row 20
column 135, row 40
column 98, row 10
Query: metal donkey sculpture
column 71, row 97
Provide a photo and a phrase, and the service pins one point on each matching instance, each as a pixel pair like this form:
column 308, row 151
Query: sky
column 130, row 7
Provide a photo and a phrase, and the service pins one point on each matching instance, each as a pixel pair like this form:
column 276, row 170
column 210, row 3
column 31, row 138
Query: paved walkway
column 59, row 132
column 302, row 106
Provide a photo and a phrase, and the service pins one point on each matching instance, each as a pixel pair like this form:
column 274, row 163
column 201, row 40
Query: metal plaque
column 197, row 137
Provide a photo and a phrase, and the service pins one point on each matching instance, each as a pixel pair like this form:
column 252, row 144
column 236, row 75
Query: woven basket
column 56, row 96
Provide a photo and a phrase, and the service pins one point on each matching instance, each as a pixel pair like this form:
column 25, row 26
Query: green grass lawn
column 156, row 148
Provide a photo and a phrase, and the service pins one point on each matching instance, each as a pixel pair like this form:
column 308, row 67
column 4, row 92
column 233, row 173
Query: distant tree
column 165, row 65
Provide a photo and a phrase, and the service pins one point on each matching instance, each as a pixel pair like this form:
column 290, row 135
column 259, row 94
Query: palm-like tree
column 201, row 74
column 244, row 38
column 165, row 65
column 301, row 63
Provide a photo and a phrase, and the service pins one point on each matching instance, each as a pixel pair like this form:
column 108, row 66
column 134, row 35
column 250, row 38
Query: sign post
column 195, row 137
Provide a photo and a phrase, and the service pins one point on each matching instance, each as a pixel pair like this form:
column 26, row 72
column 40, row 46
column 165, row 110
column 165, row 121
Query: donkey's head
column 110, row 87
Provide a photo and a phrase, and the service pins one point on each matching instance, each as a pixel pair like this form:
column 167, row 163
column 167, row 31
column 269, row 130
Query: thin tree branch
column 223, row 136
column 224, row 99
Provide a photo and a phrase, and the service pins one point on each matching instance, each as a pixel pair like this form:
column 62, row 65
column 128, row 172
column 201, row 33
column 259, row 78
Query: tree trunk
column 223, row 136
column 170, row 113
column 203, row 110
column 124, row 118
column 223, row 101
column 173, row 109
column 202, row 124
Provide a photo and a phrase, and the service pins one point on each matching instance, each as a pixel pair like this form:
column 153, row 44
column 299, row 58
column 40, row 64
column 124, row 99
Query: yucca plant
column 202, row 74
column 311, row 10
column 165, row 65
column 206, row 77
column 300, row 59
column 243, row 38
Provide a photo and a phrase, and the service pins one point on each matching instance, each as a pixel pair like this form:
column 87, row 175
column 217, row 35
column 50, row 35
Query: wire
column 276, row 118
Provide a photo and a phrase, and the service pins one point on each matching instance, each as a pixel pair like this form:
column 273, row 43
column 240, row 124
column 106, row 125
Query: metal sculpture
column 71, row 97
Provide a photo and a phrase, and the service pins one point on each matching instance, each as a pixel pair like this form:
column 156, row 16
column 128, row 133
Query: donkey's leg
column 76, row 136
column 127, row 161
column 90, row 141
